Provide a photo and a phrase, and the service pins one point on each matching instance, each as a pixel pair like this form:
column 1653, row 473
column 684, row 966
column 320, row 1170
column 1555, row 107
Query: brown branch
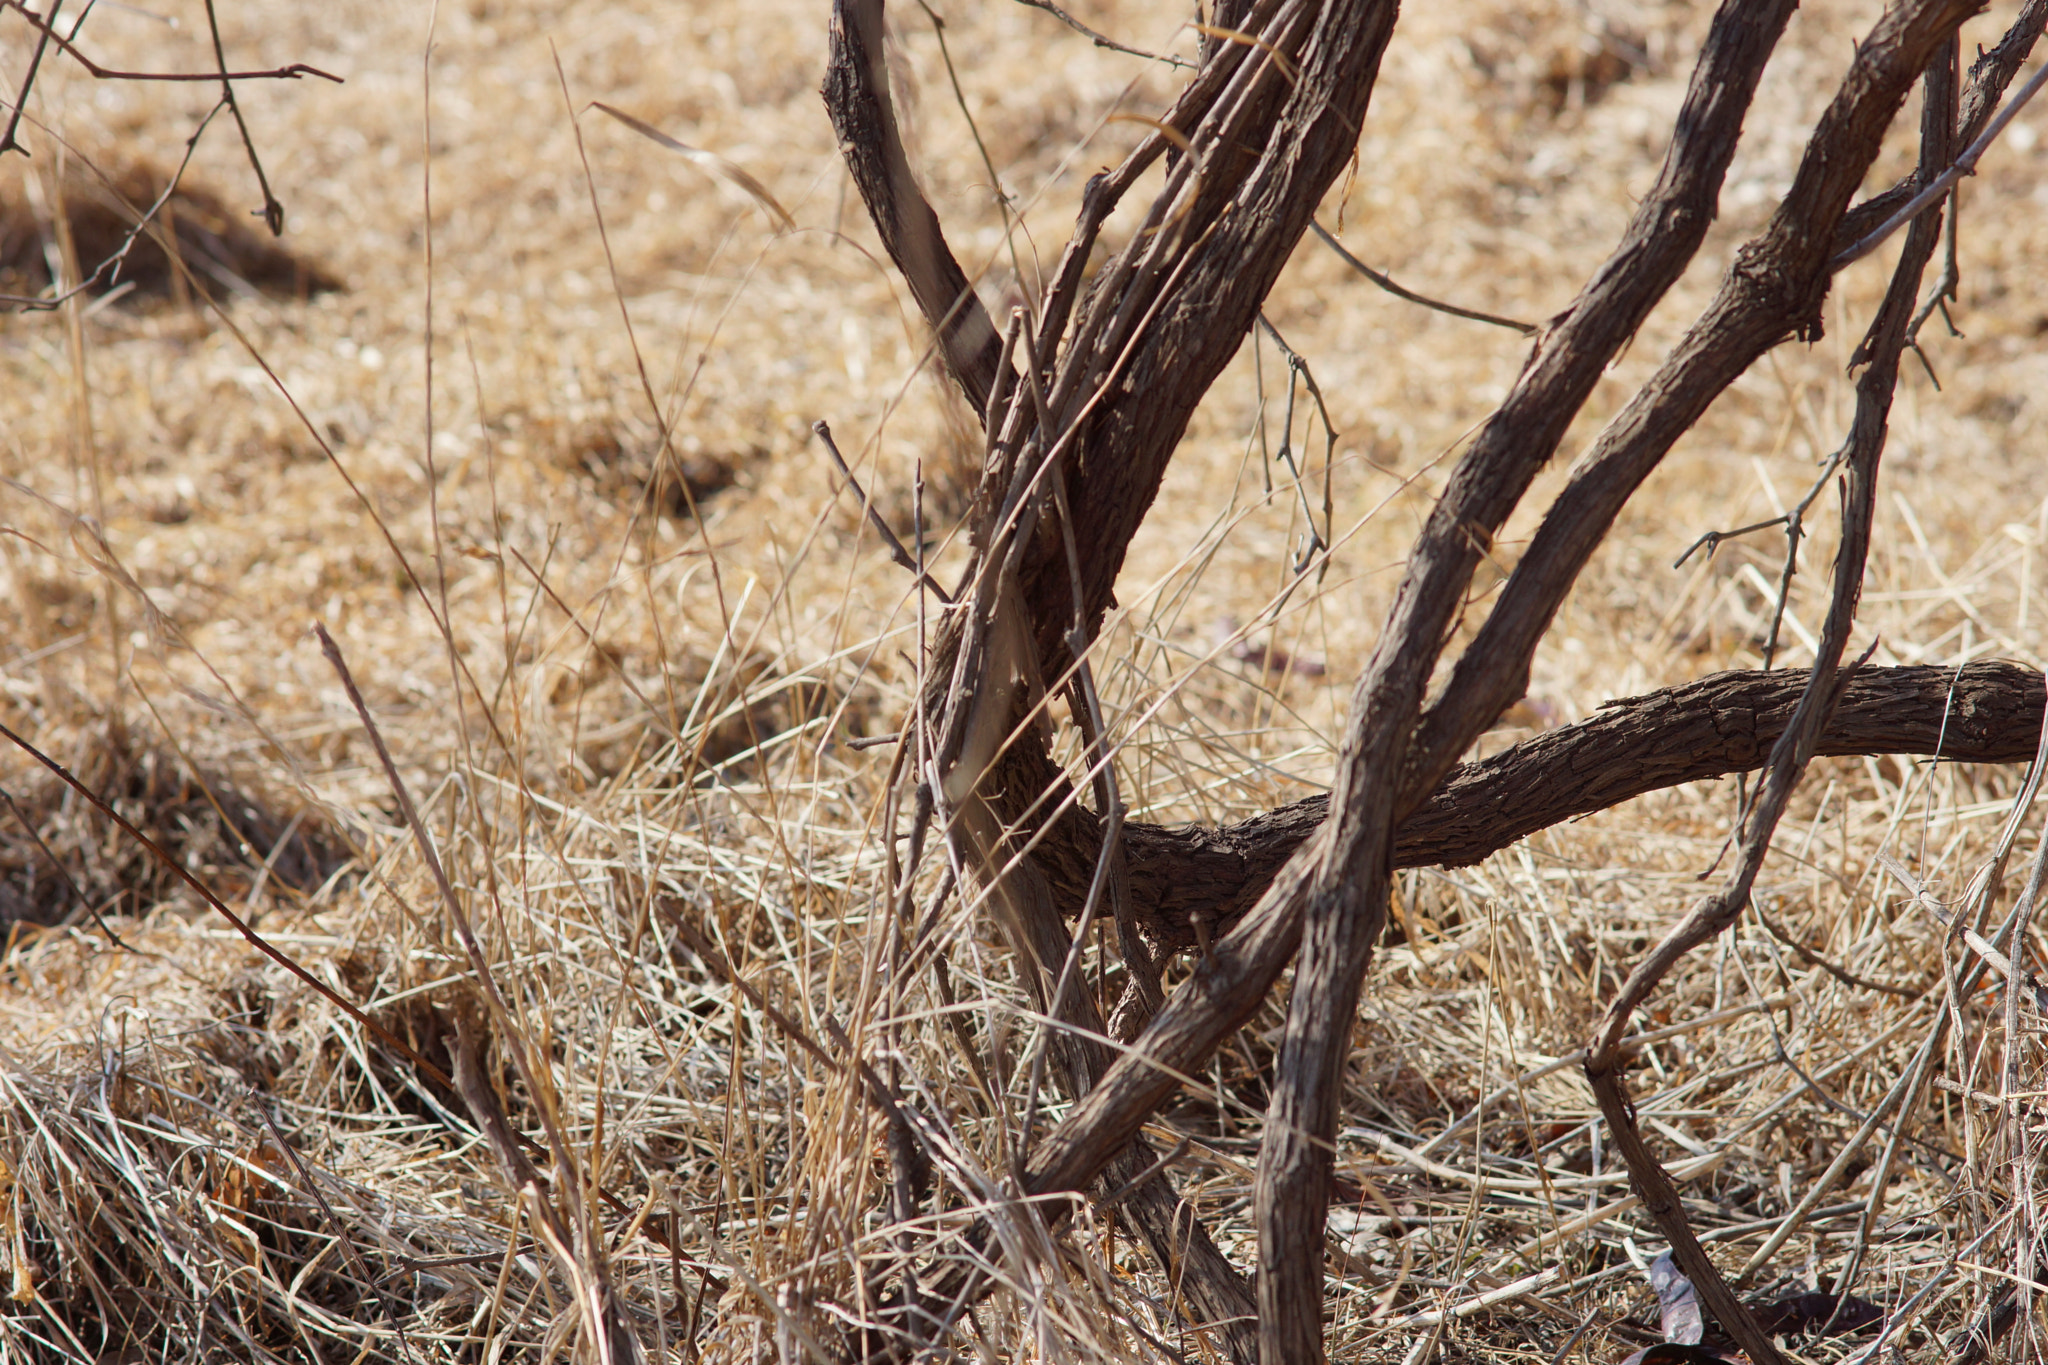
column 1077, row 449
column 1939, row 185
column 28, row 81
column 1773, row 290
column 1990, row 74
column 1187, row 878
column 107, row 73
column 900, row 556
column 273, row 210
column 1265, row 137
column 1342, row 890
column 1882, row 346
column 145, row 222
column 1346, row 873
column 1256, row 136
column 1132, row 1182
column 1388, row 283
column 1183, row 878
column 864, row 116
column 1982, row 713
column 1102, row 40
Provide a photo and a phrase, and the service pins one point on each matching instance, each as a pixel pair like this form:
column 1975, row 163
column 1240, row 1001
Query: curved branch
column 1772, row 290
column 1192, row 881
column 1727, row 723
column 857, row 97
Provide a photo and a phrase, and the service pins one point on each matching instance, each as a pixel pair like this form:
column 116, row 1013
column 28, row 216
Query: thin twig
column 1298, row 372
column 105, row 73
column 273, row 211
column 897, row 553
column 1386, row 282
column 28, row 81
column 1813, row 959
column 145, row 221
column 1861, row 452
column 1966, row 164
column 1102, row 39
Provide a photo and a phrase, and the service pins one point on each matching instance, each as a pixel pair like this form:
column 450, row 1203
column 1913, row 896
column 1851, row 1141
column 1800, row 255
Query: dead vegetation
column 634, row 1072
column 100, row 209
column 64, row 867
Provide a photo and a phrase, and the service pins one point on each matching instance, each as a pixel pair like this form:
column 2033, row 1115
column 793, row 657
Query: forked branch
column 863, row 114
column 1078, row 443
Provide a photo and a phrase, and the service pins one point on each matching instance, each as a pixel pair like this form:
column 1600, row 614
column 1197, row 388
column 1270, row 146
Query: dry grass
column 633, row 731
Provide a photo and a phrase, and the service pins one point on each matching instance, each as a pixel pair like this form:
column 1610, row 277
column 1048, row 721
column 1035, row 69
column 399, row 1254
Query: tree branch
column 1990, row 74
column 863, row 115
column 1182, row 877
column 1189, row 875
column 1883, row 344
column 1773, row 290
column 1119, row 364
column 1985, row 713
column 1982, row 713
column 1346, row 873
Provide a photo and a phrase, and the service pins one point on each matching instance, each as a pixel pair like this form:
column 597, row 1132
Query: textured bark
column 1992, row 72
column 1257, row 138
column 1176, row 311
column 1260, row 133
column 1330, row 898
column 1079, row 438
column 1727, row 723
column 1773, row 291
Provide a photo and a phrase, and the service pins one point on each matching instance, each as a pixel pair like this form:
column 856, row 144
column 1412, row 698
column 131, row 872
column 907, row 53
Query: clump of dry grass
column 162, row 1202
column 100, row 208
column 627, row 716
column 64, row 865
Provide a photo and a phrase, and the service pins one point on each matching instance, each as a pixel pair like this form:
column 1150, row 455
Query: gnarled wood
column 1339, row 879
column 1773, row 290
column 1105, row 393
column 1727, row 723
column 1261, row 133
